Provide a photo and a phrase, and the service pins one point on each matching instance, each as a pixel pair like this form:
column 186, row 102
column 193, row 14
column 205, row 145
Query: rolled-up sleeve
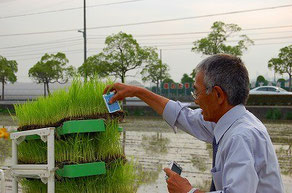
column 191, row 121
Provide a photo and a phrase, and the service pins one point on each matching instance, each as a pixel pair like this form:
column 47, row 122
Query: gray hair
column 229, row 73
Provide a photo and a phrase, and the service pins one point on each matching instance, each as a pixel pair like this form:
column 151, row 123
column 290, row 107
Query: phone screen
column 176, row 169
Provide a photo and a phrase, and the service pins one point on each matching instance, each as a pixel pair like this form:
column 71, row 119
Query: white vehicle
column 269, row 90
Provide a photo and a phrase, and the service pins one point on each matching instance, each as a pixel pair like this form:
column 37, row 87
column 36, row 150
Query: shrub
column 274, row 114
column 289, row 116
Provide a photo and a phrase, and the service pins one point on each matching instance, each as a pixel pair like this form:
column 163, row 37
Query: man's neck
column 224, row 108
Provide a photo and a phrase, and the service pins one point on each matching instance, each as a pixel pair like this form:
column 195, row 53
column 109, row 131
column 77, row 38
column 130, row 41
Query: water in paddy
column 153, row 144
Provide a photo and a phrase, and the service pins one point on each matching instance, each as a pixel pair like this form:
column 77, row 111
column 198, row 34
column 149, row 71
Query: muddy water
column 154, row 145
column 192, row 155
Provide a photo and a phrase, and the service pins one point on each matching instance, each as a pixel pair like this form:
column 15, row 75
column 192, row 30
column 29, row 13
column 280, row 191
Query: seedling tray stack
column 86, row 144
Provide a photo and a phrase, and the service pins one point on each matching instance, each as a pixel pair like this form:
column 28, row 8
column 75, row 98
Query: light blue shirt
column 246, row 161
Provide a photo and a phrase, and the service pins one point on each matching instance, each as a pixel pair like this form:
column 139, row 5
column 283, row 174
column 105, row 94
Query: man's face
column 207, row 102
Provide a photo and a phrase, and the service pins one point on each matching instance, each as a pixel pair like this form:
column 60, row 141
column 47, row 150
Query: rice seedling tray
column 81, row 170
column 120, row 129
column 81, row 126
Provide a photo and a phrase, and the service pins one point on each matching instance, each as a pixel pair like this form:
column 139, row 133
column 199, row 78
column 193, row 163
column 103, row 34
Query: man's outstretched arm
column 155, row 101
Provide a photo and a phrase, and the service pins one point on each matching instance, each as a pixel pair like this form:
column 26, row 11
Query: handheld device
column 175, row 167
column 111, row 107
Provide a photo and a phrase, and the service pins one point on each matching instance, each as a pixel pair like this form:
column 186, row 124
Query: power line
column 204, row 32
column 149, row 35
column 69, row 9
column 72, row 44
column 69, row 43
column 151, row 22
column 189, row 48
column 46, row 49
column 66, row 51
column 166, row 49
column 193, row 17
column 48, row 42
column 165, row 44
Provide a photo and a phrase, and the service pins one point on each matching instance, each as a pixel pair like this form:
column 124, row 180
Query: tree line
column 122, row 53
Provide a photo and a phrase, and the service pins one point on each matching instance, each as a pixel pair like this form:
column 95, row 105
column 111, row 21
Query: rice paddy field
column 133, row 159
column 152, row 144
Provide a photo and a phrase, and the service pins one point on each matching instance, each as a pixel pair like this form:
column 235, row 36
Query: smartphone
column 175, row 167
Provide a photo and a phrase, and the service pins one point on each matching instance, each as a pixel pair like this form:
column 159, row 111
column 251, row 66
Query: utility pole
column 160, row 71
column 84, row 36
column 84, row 31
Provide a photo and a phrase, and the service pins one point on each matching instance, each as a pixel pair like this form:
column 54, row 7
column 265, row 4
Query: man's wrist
column 192, row 190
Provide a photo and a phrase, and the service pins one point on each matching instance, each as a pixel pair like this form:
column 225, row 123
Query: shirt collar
column 227, row 120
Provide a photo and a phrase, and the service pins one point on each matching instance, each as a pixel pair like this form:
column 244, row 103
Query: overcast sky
column 27, row 16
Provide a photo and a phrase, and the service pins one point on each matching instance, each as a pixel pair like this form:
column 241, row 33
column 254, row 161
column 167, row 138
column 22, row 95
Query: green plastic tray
column 81, row 170
column 120, row 129
column 81, row 126
column 32, row 137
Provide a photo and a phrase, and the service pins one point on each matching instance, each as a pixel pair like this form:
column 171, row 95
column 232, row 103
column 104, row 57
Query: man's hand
column 176, row 183
column 121, row 91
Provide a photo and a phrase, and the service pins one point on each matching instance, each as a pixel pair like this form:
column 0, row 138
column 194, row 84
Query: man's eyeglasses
column 196, row 94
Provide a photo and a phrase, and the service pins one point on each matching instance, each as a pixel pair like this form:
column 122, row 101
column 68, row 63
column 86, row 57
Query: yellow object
column 3, row 129
column 6, row 135
column 2, row 133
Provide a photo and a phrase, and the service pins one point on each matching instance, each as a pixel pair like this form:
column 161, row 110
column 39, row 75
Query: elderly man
column 244, row 160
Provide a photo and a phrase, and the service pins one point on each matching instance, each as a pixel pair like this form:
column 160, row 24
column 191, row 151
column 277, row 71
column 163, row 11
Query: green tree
column 122, row 54
column 283, row 64
column 186, row 78
column 94, row 66
column 215, row 42
column 281, row 81
column 155, row 71
column 50, row 69
column 261, row 81
column 8, row 68
column 168, row 80
column 193, row 74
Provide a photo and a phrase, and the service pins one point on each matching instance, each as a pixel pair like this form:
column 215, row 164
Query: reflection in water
column 281, row 136
column 285, row 159
column 155, row 143
column 199, row 162
column 209, row 149
column 149, row 176
column 5, row 149
column 203, row 185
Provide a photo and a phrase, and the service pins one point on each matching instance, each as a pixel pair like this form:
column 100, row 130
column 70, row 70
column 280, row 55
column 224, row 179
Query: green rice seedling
column 79, row 148
column 108, row 142
column 81, row 100
column 120, row 177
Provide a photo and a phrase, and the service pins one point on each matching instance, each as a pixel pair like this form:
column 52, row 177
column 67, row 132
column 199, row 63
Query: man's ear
column 219, row 93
